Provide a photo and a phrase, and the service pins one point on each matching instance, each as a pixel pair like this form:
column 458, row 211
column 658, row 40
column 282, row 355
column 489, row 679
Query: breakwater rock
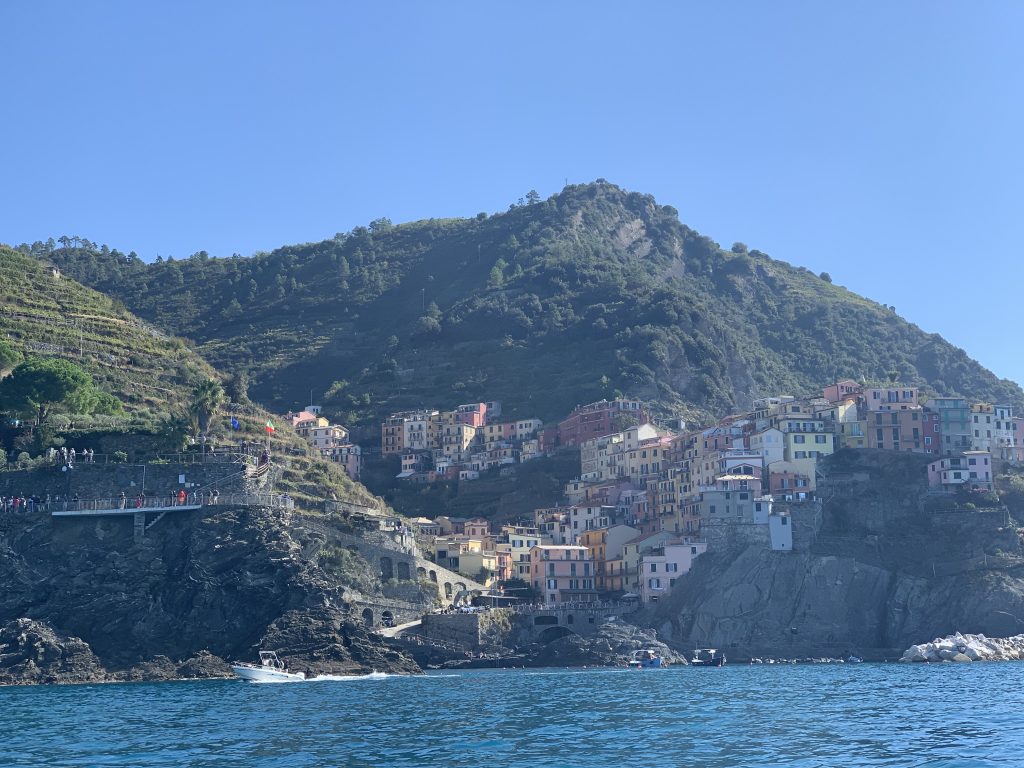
column 963, row 648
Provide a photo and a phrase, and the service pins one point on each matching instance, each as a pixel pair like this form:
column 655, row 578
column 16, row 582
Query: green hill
column 593, row 291
column 45, row 314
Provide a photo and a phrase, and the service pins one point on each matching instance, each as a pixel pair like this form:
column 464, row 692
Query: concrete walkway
column 395, row 631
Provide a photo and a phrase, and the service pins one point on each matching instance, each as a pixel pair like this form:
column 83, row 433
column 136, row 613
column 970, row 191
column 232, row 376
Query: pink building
column 599, row 419
column 661, row 567
column 889, row 398
column 471, row 414
column 562, row 573
column 900, row 429
column 842, row 390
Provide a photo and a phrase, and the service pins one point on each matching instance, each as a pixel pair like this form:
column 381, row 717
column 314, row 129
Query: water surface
column 816, row 715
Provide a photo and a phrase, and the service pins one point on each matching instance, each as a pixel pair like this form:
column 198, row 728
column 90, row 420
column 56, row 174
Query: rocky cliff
column 84, row 602
column 874, row 572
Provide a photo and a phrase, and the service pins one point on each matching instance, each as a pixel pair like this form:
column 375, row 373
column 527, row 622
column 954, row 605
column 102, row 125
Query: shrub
column 120, row 457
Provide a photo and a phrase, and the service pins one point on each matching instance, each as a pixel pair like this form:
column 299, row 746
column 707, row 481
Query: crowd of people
column 67, row 457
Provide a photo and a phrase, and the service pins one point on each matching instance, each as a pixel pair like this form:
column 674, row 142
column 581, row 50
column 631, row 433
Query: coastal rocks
column 611, row 646
column 967, row 648
column 323, row 641
column 32, row 652
column 202, row 588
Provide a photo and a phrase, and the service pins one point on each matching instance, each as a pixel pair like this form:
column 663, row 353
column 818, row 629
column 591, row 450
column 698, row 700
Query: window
column 654, row 567
column 693, row 550
column 820, row 438
column 927, row 440
column 785, row 521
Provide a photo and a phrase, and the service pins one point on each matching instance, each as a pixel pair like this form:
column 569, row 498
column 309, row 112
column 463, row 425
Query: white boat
column 644, row 659
column 270, row 670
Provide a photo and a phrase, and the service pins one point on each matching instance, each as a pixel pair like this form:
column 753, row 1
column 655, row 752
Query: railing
column 150, row 503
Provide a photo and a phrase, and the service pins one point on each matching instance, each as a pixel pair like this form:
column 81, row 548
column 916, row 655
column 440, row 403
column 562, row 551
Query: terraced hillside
column 46, row 314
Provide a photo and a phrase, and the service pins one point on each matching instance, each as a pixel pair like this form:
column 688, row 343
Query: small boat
column 270, row 670
column 854, row 659
column 707, row 657
column 645, row 659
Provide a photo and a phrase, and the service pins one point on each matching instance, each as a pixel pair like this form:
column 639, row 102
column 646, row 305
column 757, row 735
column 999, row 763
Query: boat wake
column 350, row 678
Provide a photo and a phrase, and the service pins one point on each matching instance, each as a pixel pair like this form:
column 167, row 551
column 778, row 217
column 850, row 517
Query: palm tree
column 206, row 399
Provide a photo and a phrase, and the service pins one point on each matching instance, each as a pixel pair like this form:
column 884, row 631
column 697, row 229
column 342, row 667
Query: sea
column 739, row 715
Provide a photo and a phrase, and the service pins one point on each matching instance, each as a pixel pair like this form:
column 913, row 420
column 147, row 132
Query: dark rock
column 323, row 641
column 204, row 665
column 32, row 652
column 203, row 588
column 612, row 646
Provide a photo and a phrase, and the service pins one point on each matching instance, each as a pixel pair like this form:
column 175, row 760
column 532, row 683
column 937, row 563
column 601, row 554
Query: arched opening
column 421, row 573
column 403, row 570
column 570, row 619
column 387, row 570
column 448, row 590
column 553, row 633
column 367, row 617
column 387, row 619
column 433, row 576
column 459, row 587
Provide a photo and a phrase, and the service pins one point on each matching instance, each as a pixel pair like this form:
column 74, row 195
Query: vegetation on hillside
column 589, row 293
column 80, row 368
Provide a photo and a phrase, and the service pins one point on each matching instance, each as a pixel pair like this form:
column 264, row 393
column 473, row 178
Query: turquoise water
column 842, row 715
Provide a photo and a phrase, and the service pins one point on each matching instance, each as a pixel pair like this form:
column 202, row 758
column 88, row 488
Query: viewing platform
column 147, row 512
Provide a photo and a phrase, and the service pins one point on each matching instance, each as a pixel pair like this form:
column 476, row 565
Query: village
column 650, row 500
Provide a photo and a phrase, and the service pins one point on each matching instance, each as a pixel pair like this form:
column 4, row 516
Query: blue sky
column 877, row 141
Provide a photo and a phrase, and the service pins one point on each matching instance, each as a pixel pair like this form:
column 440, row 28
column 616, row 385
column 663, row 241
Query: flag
column 270, row 427
column 235, row 424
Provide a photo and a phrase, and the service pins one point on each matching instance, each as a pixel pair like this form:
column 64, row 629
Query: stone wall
column 723, row 536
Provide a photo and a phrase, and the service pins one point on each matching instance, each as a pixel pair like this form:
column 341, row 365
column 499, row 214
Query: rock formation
column 872, row 571
column 82, row 602
column 964, row 648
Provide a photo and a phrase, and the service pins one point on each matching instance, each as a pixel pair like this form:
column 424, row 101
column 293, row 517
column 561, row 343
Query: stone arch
column 459, row 587
column 403, row 570
column 387, row 569
column 433, row 576
column 448, row 590
column 421, row 572
column 570, row 619
column 368, row 617
column 553, row 633
column 387, row 619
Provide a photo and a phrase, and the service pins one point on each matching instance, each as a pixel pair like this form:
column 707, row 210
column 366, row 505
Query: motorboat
column 707, row 657
column 270, row 670
column 645, row 659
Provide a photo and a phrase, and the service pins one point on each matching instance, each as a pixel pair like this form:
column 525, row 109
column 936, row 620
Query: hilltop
column 593, row 291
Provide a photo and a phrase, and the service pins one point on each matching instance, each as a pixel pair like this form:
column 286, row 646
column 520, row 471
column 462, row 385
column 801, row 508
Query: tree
column 9, row 356
column 38, row 385
column 206, row 399
column 739, row 248
column 532, row 197
column 826, row 277
column 237, row 387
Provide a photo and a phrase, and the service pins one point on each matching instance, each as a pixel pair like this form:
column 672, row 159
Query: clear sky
column 881, row 142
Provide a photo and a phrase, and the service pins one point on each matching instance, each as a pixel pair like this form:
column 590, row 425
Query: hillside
column 46, row 314
column 593, row 291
